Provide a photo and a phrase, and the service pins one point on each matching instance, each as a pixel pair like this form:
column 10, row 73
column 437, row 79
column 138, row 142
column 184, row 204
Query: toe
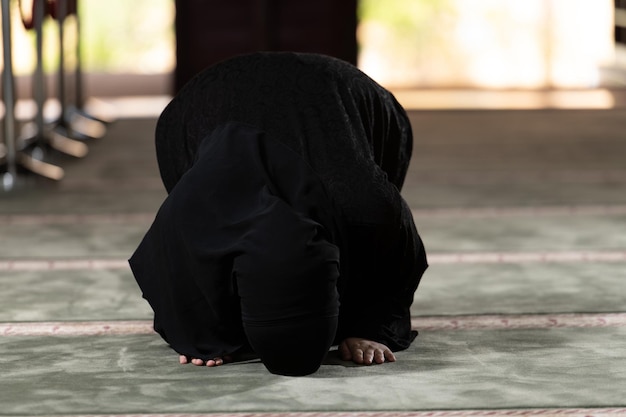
column 214, row 362
column 379, row 356
column 357, row 356
column 344, row 352
column 368, row 357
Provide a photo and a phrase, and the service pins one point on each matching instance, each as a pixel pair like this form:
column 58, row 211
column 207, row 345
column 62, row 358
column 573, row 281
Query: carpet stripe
column 438, row 323
column 521, row 321
column 63, row 264
column 532, row 211
column 77, row 328
column 519, row 177
column 25, row 265
column 477, row 212
column 61, row 219
column 547, row 412
column 525, row 257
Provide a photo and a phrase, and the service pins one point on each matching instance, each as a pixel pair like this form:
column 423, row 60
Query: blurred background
column 131, row 47
column 126, row 59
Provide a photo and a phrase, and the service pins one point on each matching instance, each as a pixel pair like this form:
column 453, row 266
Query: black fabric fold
column 226, row 245
column 284, row 173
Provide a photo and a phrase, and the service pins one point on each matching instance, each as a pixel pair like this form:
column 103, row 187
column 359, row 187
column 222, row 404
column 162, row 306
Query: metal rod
column 61, row 14
column 80, row 98
column 8, row 93
column 39, row 90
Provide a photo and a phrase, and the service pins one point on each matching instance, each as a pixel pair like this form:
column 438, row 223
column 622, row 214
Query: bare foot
column 365, row 352
column 199, row 362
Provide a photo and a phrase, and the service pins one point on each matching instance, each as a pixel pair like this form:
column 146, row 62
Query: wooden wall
column 208, row 31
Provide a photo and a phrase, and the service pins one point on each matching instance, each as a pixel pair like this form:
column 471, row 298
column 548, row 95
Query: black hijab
column 350, row 130
column 284, row 215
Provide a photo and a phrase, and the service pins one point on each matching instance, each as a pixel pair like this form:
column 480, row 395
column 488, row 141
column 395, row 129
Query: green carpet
column 462, row 160
column 71, row 295
column 442, row 370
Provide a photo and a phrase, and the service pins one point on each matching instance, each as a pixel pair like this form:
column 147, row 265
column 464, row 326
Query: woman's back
column 327, row 111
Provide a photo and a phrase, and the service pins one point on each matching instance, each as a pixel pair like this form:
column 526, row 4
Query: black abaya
column 284, row 215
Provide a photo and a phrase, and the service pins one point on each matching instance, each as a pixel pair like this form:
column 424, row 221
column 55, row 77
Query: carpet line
column 525, row 257
column 61, row 219
column 424, row 323
column 462, row 212
column 519, row 321
column 26, row 265
column 500, row 177
column 63, row 264
column 543, row 412
column 530, row 211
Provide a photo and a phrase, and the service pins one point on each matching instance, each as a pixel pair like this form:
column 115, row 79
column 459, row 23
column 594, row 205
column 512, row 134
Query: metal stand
column 93, row 125
column 36, row 139
column 73, row 120
column 10, row 158
column 73, row 126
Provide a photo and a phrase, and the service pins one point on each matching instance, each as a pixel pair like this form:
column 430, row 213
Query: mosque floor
column 522, row 311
